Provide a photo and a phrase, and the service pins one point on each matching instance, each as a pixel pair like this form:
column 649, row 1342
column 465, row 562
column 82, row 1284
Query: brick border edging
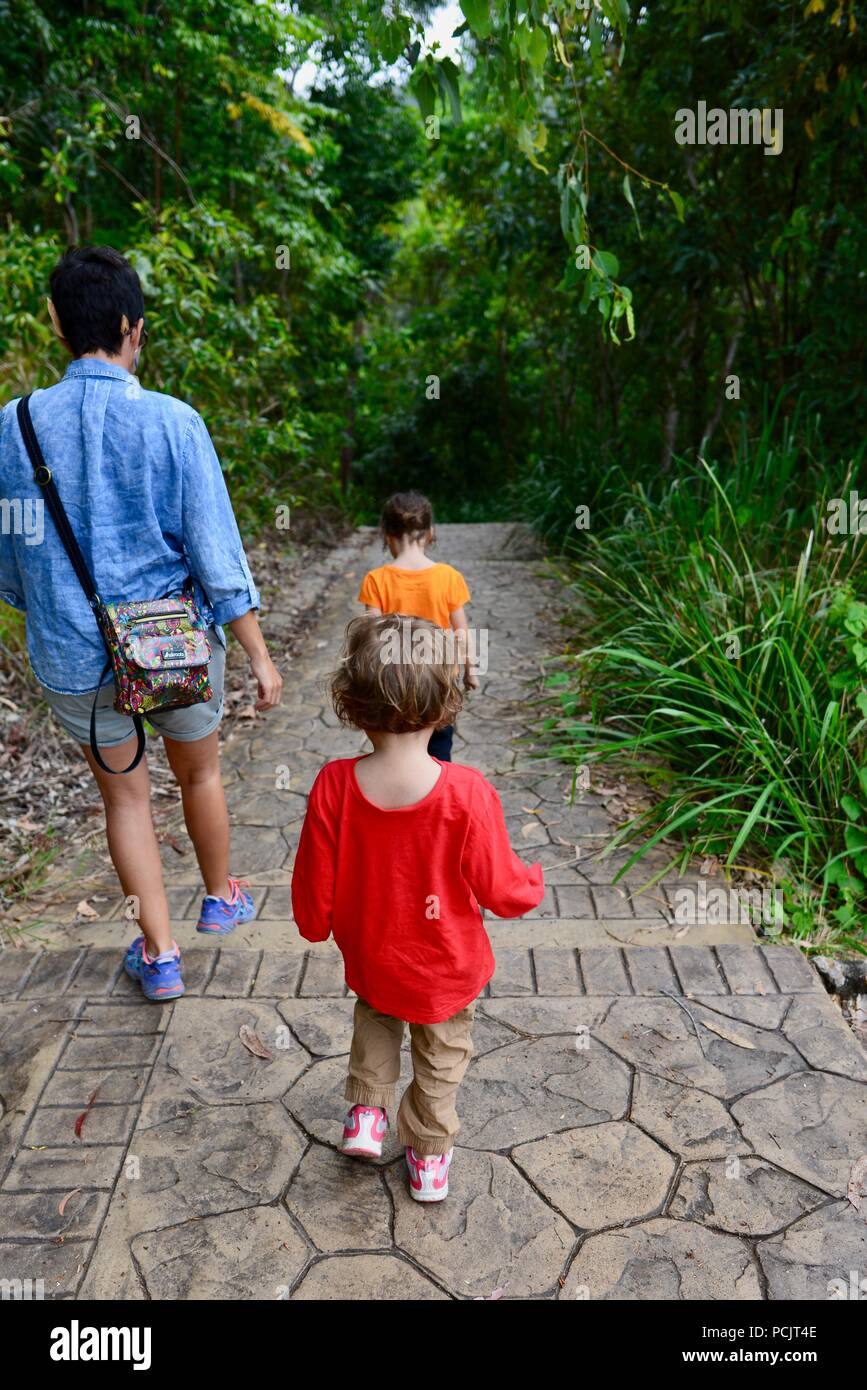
column 96, row 972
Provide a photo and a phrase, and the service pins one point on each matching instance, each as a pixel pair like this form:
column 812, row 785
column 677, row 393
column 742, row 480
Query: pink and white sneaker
column 428, row 1176
column 363, row 1131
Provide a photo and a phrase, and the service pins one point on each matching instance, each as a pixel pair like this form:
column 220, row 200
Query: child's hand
column 471, row 680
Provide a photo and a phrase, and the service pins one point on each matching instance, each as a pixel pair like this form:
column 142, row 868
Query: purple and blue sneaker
column 160, row 979
column 219, row 916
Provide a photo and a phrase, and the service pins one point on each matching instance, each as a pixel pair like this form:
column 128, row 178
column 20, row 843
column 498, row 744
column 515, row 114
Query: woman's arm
column 11, row 588
column 211, row 540
column 268, row 678
column 215, row 554
column 11, row 583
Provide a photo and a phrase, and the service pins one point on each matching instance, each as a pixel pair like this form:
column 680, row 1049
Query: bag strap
column 139, row 729
column 44, row 481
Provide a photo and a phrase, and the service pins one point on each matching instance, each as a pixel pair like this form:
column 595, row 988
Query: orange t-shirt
column 433, row 593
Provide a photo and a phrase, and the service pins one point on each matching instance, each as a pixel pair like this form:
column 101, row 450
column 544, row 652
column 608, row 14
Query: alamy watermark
column 855, row 1289
column 400, row 646
column 22, row 1290
column 728, row 905
column 739, row 126
column 23, row 516
column 847, row 516
column 77, row 1343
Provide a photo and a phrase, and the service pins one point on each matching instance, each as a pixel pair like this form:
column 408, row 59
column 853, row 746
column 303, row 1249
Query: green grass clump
column 726, row 661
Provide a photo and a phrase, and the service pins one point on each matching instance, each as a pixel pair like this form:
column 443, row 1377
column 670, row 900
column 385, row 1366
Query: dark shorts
column 440, row 745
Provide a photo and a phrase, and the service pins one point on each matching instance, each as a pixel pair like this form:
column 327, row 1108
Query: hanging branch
column 150, row 142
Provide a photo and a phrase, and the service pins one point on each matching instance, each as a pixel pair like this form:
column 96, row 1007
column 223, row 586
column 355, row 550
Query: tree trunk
column 671, row 419
column 720, row 395
column 70, row 221
column 347, row 451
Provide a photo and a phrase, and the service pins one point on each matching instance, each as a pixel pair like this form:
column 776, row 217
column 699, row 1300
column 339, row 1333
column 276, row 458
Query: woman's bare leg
column 196, row 766
column 132, row 841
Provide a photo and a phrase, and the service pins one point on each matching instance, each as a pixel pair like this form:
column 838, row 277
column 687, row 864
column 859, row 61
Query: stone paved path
column 648, row 1115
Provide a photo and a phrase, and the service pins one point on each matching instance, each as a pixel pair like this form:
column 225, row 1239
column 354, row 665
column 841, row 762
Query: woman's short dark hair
column 92, row 287
column 406, row 514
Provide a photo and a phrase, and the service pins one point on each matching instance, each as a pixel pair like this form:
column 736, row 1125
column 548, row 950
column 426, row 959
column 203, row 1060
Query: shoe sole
column 156, row 998
column 361, row 1153
column 428, row 1196
column 224, row 931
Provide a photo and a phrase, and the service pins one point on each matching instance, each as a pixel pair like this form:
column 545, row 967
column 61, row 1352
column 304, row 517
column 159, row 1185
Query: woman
column 142, row 488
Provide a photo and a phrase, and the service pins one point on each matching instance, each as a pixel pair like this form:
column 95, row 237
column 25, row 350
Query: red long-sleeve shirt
column 401, row 889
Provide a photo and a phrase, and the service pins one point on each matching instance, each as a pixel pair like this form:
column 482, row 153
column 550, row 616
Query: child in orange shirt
column 420, row 588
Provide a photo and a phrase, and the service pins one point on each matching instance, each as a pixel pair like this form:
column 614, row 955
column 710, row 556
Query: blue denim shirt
column 146, row 499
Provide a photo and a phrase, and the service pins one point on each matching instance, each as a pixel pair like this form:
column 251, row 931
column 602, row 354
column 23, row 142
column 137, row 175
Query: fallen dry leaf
column 727, row 1034
column 84, row 909
column 528, row 829
column 79, row 1123
column 253, row 1043
column 857, row 1182
column 62, row 1206
column 569, row 845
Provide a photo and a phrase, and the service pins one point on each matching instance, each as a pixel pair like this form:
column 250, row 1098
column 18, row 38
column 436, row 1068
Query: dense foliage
column 722, row 654
column 173, row 133
column 760, row 277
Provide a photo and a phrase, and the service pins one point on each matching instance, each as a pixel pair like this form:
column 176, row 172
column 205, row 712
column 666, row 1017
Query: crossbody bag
column 158, row 649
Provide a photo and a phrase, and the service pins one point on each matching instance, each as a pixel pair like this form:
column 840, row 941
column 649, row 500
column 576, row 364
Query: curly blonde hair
column 398, row 675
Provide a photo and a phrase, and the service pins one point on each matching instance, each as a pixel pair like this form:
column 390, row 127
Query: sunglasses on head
column 126, row 330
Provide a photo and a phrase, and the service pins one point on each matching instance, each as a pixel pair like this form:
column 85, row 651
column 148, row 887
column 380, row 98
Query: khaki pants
column 427, row 1118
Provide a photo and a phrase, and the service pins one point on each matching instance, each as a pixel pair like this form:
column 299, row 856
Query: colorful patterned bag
column 158, row 649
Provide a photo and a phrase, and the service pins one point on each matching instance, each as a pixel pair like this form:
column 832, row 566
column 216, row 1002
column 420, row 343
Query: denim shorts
column 186, row 725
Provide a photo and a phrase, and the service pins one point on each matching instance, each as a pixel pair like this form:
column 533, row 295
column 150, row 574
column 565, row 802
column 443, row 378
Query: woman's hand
column 471, row 680
column 269, row 681
column 268, row 678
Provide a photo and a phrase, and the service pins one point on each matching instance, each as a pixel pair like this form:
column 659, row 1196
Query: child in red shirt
column 398, row 853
